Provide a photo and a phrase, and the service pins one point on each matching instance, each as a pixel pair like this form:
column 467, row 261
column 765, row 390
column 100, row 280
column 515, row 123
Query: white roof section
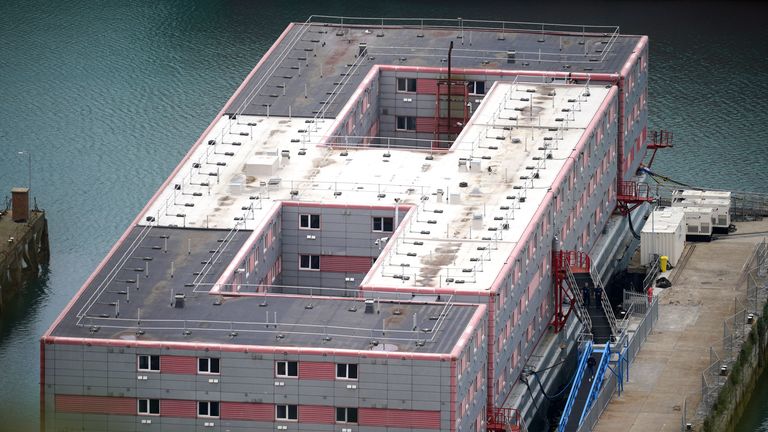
column 508, row 154
column 664, row 220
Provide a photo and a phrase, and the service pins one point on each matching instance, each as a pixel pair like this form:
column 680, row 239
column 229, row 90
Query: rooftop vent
column 369, row 306
column 178, row 301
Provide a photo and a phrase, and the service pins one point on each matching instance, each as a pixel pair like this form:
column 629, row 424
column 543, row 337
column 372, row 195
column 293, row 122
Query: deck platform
column 691, row 314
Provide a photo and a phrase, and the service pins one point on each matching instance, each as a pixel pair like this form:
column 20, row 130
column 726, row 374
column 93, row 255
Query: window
column 346, row 371
column 406, row 85
column 346, row 415
column 383, row 224
column 406, row 123
column 476, row 87
column 309, row 221
column 149, row 363
column 149, row 406
column 207, row 409
column 208, row 365
column 309, row 262
column 286, row 412
column 287, row 369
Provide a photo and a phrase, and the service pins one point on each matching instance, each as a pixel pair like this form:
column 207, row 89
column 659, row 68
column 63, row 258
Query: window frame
column 347, row 411
column 149, row 362
column 310, row 262
column 149, row 407
column 409, row 123
column 409, row 85
column 287, row 369
column 309, row 218
column 346, row 376
column 472, row 84
column 382, row 224
column 287, row 408
column 210, row 361
column 209, row 405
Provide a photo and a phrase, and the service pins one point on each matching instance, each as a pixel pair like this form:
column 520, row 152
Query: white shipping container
column 689, row 193
column 663, row 234
column 698, row 221
column 721, row 208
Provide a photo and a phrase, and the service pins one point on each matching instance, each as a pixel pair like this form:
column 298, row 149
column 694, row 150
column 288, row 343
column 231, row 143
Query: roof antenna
column 450, row 54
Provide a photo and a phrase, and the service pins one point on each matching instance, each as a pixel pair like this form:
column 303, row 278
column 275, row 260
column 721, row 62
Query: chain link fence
column 754, row 282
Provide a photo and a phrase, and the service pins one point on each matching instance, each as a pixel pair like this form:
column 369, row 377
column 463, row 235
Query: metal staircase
column 607, row 308
column 581, row 311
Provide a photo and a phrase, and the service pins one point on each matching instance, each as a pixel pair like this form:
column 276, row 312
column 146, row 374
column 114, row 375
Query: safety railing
column 585, row 354
column 597, row 382
column 581, row 311
column 626, row 351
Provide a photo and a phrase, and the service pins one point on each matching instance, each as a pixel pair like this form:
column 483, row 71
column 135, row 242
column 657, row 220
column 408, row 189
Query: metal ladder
column 581, row 312
column 605, row 303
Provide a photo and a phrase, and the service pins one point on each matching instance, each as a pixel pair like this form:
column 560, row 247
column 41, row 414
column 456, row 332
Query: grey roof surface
column 283, row 321
column 315, row 68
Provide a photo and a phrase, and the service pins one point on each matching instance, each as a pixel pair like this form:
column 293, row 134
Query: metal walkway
column 593, row 363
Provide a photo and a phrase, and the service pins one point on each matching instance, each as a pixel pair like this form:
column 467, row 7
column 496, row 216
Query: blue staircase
column 586, row 387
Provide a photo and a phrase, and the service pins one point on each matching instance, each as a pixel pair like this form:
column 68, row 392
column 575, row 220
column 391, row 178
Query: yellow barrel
column 663, row 263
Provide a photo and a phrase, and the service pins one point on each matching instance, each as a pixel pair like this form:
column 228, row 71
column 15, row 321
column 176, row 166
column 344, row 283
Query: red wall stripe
column 317, row 414
column 247, row 411
column 345, row 264
column 399, row 418
column 178, row 364
column 317, row 371
column 178, row 408
column 425, row 124
column 426, row 86
column 94, row 404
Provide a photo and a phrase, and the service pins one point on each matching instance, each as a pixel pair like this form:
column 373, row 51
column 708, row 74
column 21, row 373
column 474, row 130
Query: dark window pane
column 377, row 224
column 304, row 221
column 411, row 123
column 281, row 368
column 401, row 84
column 154, row 363
column 352, row 371
column 351, row 415
column 293, row 369
column 214, row 409
column 143, row 362
column 281, row 411
column 304, row 261
column 388, row 224
column 293, row 412
column 202, row 365
column 316, row 262
column 341, row 414
column 314, row 221
column 154, row 406
column 341, row 370
column 202, row 408
column 143, row 405
column 480, row 87
column 400, row 122
column 214, row 365
column 411, row 84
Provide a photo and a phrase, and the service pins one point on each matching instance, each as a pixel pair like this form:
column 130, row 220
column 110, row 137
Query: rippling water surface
column 108, row 95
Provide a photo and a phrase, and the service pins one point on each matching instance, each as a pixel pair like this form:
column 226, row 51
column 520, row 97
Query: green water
column 108, row 95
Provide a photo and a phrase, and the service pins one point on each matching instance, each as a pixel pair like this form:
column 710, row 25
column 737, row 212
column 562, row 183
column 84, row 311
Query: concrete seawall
column 23, row 251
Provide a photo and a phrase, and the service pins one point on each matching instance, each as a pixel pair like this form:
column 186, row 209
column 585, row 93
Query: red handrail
column 505, row 420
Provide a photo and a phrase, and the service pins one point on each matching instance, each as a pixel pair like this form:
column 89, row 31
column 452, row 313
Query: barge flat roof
column 170, row 261
column 315, row 68
column 509, row 154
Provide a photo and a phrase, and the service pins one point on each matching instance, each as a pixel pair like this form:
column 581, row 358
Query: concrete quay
column 23, row 245
column 668, row 368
